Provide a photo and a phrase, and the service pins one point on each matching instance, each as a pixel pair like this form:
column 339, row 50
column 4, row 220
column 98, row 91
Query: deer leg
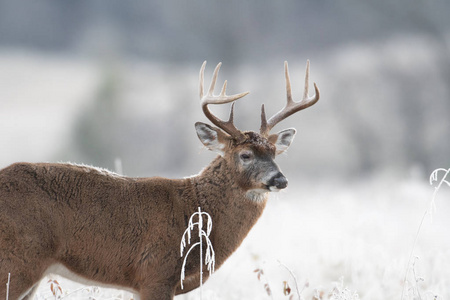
column 23, row 283
column 25, row 254
column 191, row 283
column 21, row 286
column 157, row 292
column 25, row 275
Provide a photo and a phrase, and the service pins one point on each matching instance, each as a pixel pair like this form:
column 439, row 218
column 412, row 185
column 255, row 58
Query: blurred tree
column 97, row 132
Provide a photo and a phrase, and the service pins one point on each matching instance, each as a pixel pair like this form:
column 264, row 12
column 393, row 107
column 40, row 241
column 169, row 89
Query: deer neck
column 233, row 212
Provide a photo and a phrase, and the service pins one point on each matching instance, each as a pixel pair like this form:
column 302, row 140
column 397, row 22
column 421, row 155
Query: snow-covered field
column 351, row 240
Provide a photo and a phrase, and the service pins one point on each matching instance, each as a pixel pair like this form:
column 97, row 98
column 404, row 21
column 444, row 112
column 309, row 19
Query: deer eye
column 246, row 156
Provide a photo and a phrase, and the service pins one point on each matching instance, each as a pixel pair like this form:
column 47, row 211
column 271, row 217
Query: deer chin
column 271, row 188
column 257, row 195
column 274, row 189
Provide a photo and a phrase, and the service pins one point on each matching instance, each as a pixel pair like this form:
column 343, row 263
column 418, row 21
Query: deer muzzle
column 278, row 182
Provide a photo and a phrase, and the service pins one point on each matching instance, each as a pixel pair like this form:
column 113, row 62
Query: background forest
column 123, row 75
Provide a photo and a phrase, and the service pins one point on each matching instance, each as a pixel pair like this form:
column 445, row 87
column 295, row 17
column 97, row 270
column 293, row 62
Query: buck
column 94, row 226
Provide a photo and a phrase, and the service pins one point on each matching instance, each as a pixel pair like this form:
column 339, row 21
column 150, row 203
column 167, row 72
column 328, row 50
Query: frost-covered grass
column 336, row 238
column 359, row 236
column 340, row 242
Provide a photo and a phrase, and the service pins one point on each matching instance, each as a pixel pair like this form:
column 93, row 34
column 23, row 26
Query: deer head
column 251, row 155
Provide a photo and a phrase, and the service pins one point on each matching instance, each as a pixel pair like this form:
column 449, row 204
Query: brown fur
column 115, row 230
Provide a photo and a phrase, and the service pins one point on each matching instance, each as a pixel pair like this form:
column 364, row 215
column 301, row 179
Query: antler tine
column 201, row 79
column 288, row 84
column 291, row 106
column 222, row 98
column 214, row 79
column 263, row 129
column 306, row 90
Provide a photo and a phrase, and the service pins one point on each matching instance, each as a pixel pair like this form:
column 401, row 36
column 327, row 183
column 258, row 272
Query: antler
column 291, row 106
column 223, row 98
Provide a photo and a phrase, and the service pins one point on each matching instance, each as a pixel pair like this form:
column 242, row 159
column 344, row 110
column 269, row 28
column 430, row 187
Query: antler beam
column 223, row 98
column 291, row 106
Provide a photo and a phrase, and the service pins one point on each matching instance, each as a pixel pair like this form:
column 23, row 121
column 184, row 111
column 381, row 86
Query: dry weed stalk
column 55, row 288
column 7, row 286
column 262, row 278
column 429, row 210
column 210, row 255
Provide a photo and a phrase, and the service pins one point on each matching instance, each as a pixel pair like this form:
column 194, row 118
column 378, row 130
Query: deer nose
column 279, row 181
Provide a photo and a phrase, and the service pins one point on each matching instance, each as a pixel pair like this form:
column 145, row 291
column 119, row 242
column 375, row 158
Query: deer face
column 252, row 158
column 249, row 154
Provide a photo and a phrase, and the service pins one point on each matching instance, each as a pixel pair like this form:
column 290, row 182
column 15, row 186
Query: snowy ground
column 351, row 240
column 356, row 235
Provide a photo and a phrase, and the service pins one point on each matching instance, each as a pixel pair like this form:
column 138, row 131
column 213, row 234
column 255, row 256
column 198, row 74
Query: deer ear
column 213, row 138
column 282, row 140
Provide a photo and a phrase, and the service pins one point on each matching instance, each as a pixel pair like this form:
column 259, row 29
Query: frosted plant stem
column 267, row 283
column 412, row 252
column 200, row 226
column 415, row 278
column 433, row 177
column 7, row 286
column 74, row 291
column 295, row 279
column 432, row 207
column 209, row 255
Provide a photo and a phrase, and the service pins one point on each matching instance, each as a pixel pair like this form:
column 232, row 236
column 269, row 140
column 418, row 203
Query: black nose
column 279, row 181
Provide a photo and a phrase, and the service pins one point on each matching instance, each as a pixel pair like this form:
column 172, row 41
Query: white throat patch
column 257, row 195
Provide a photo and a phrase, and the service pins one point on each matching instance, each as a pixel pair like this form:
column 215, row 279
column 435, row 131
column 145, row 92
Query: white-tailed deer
column 92, row 225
